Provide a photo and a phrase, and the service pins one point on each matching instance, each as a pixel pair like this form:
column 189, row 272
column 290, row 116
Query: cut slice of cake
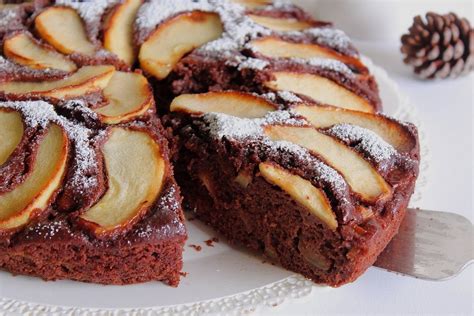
column 322, row 200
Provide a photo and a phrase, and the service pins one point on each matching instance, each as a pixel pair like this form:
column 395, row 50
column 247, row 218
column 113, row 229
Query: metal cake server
column 430, row 245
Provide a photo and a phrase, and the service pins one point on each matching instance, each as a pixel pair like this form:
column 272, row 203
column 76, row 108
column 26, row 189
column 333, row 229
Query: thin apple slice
column 238, row 104
column 175, row 38
column 118, row 34
column 32, row 197
column 136, row 171
column 253, row 4
column 128, row 95
column 361, row 176
column 63, row 28
column 24, row 50
column 279, row 48
column 280, row 24
column 11, row 133
column 87, row 79
column 302, row 191
column 389, row 130
column 320, row 89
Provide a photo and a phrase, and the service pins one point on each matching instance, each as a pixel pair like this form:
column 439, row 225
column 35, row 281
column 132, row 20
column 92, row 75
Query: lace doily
column 268, row 296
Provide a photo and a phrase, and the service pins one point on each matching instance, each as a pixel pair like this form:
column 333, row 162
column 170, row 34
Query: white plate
column 220, row 278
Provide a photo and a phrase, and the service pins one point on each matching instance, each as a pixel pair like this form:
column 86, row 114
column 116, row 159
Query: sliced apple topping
column 128, row 95
column 175, row 38
column 253, row 4
column 361, row 176
column 280, row 24
column 30, row 198
column 390, row 131
column 302, row 191
column 118, row 34
column 279, row 48
column 87, row 79
column 238, row 104
column 11, row 133
column 24, row 50
column 129, row 156
column 62, row 27
column 320, row 89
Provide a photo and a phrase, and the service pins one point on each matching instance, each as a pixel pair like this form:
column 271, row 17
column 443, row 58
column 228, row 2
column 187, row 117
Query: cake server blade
column 430, row 245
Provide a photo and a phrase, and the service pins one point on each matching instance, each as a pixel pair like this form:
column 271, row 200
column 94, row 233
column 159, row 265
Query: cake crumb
column 210, row 242
column 196, row 247
column 184, row 274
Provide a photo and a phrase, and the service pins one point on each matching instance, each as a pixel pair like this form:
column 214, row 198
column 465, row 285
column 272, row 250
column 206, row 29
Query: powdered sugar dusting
column 253, row 63
column 330, row 37
column 35, row 113
column 283, row 5
column 238, row 27
column 366, row 140
column 286, row 96
column 154, row 12
column 287, row 117
column 80, row 106
column 41, row 114
column 289, row 96
column 103, row 53
column 46, row 230
column 6, row 65
column 8, row 16
column 327, row 64
column 90, row 11
column 223, row 125
column 230, row 127
column 270, row 96
column 239, row 30
column 145, row 232
column 169, row 200
column 86, row 159
column 321, row 171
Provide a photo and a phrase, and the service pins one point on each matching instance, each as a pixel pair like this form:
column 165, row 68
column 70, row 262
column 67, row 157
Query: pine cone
column 440, row 47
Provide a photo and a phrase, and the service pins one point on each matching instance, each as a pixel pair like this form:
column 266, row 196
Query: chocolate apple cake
column 267, row 119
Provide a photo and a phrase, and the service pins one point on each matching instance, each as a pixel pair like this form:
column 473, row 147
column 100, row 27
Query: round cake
column 115, row 116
